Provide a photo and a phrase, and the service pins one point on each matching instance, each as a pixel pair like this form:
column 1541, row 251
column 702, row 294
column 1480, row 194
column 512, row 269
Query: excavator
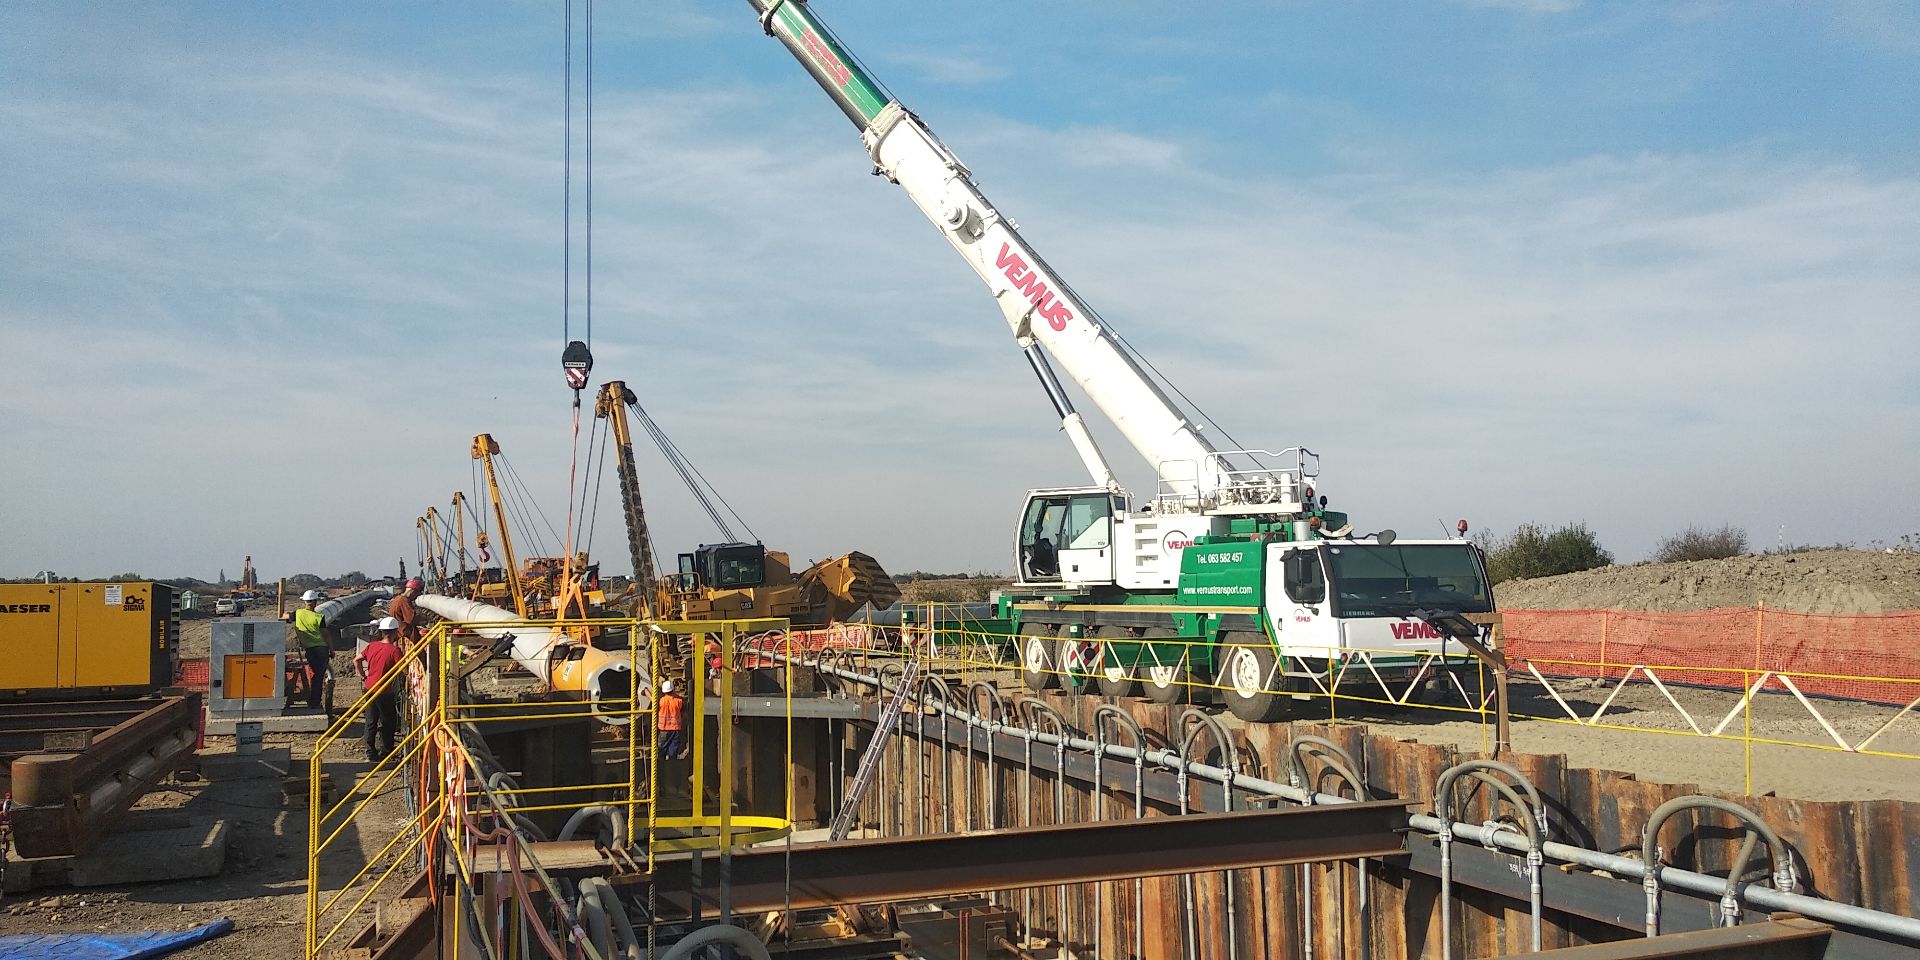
column 734, row 579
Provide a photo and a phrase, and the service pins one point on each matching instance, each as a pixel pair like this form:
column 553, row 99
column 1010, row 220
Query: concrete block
column 164, row 853
column 181, row 853
column 221, row 725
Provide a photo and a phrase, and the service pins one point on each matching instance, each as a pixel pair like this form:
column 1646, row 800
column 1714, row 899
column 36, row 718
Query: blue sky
column 268, row 267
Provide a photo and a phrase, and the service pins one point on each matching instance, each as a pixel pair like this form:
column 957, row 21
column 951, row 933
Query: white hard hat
column 310, row 595
column 666, row 687
column 386, row 624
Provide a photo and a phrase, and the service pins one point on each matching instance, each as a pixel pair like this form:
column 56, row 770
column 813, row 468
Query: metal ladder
column 876, row 748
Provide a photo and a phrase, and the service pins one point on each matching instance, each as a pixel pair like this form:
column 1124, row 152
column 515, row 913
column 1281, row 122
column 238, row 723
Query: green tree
column 1699, row 543
column 1532, row 550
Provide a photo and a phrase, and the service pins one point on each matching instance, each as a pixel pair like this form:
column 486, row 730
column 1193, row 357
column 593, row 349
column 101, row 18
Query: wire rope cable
column 1132, row 351
column 696, row 481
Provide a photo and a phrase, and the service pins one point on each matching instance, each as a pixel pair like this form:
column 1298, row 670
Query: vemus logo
column 1045, row 303
column 1414, row 631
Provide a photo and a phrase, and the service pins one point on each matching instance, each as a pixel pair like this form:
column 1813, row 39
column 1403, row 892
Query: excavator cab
column 725, row 566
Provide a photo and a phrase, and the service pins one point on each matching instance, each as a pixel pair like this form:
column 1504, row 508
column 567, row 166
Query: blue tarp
column 106, row 946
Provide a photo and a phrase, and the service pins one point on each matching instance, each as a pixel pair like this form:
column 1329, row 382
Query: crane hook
column 577, row 361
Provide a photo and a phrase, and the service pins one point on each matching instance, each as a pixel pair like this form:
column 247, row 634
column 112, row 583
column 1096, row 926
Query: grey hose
column 1533, row 816
column 615, row 819
column 746, row 943
column 606, row 919
column 1756, row 830
column 1334, row 759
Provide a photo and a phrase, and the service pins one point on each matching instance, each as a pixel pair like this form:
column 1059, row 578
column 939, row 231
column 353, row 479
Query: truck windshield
column 1393, row 581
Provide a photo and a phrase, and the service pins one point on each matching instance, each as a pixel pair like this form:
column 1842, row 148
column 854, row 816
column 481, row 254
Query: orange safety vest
column 671, row 709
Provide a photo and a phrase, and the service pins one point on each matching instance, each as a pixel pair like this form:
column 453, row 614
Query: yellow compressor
column 78, row 640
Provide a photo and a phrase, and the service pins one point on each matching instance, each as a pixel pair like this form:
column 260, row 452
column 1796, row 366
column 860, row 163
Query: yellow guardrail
column 460, row 826
column 1387, row 677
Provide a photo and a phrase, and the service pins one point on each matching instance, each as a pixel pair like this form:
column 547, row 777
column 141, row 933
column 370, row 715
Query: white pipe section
column 333, row 610
column 601, row 675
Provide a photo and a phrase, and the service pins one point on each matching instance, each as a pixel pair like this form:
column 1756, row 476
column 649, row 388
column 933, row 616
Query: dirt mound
column 1818, row 581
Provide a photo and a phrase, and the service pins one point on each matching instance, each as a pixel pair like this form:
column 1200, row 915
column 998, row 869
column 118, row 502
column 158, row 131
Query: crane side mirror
column 1304, row 583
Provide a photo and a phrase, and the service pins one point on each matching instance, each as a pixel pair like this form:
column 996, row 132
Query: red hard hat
column 416, row 583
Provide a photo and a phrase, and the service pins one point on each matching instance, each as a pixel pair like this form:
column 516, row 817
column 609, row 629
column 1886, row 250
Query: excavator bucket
column 838, row 586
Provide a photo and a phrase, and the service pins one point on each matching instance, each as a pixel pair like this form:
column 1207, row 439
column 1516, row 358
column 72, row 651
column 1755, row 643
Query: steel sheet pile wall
column 1855, row 852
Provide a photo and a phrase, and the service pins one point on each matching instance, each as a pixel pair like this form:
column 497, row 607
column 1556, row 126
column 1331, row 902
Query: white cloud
column 1526, row 6
column 260, row 306
column 944, row 67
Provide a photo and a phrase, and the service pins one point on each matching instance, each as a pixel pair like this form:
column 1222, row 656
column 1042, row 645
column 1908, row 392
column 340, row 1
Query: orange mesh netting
column 1861, row 656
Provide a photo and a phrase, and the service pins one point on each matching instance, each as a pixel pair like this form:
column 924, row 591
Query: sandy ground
column 1817, row 581
column 263, row 889
column 1654, row 750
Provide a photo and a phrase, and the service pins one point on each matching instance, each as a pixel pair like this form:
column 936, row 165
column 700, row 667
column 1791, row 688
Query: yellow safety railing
column 459, row 826
column 1360, row 676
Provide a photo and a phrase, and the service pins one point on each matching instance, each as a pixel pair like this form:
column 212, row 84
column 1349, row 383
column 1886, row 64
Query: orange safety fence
column 842, row 636
column 1855, row 656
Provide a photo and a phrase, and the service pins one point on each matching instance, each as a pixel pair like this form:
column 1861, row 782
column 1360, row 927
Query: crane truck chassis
column 1233, row 575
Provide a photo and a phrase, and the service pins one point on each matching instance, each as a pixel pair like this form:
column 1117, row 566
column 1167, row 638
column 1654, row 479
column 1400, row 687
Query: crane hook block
column 577, row 360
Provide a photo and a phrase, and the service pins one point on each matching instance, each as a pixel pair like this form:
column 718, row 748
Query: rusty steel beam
column 1784, row 938
column 883, row 870
column 64, row 802
column 24, row 725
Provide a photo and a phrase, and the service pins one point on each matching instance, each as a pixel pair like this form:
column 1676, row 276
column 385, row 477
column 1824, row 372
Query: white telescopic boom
column 1038, row 306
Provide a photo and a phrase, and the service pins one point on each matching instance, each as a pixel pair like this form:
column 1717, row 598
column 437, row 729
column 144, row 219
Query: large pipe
column 545, row 652
column 334, row 613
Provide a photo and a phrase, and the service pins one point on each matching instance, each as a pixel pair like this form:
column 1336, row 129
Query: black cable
column 589, row 173
column 510, row 500
column 522, row 491
column 672, row 452
column 599, row 477
column 1121, row 339
column 566, row 189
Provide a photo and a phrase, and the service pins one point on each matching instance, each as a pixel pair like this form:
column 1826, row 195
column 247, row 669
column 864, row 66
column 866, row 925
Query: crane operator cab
column 723, row 566
column 1068, row 535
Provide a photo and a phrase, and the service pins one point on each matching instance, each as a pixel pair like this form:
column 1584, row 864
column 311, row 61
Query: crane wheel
column 1250, row 680
column 1036, row 660
column 1079, row 663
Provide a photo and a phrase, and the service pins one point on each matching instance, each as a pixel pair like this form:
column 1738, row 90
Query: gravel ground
column 1653, row 750
column 263, row 889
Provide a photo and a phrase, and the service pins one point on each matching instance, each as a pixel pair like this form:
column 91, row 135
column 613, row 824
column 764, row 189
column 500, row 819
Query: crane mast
column 1040, row 309
column 484, row 449
column 612, row 404
column 460, row 532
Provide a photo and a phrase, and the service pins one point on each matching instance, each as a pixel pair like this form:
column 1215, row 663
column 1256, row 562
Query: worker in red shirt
column 401, row 609
column 374, row 662
column 671, row 716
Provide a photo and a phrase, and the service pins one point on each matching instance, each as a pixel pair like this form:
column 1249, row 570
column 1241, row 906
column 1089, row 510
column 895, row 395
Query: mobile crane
column 1232, row 575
